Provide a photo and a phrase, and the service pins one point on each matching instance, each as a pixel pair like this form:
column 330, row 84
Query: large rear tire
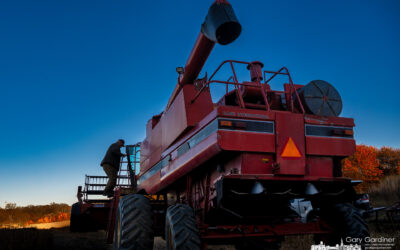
column 181, row 230
column 134, row 224
column 77, row 223
column 347, row 221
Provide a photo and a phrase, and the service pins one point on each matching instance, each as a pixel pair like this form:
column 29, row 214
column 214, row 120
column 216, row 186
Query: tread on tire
column 134, row 224
column 347, row 222
column 181, row 230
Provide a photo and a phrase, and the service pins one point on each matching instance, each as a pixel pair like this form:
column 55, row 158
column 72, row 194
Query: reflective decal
column 291, row 149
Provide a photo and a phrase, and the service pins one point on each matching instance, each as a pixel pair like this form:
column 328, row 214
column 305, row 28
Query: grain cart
column 228, row 171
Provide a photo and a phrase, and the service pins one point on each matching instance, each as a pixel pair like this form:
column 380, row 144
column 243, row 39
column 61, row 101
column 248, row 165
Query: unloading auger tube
column 220, row 26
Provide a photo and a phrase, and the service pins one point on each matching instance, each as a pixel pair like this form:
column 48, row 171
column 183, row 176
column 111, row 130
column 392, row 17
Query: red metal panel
column 285, row 178
column 154, row 150
column 152, row 184
column 174, row 121
column 236, row 112
column 181, row 116
column 182, row 165
column 193, row 158
column 184, row 114
column 145, row 150
column 320, row 166
column 330, row 146
column 200, row 108
column 331, row 121
column 200, row 125
column 246, row 141
column 290, row 125
column 256, row 163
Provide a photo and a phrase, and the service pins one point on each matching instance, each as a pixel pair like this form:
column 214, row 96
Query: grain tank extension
column 228, row 171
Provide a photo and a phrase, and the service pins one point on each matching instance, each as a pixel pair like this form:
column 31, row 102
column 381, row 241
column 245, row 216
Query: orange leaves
column 44, row 220
column 363, row 165
column 28, row 223
column 370, row 164
column 50, row 218
column 53, row 218
column 62, row 216
column 389, row 160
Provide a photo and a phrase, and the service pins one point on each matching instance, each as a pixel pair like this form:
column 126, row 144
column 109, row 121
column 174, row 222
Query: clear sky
column 77, row 75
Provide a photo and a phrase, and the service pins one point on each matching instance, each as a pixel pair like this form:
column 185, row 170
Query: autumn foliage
column 23, row 216
column 50, row 218
column 389, row 160
column 370, row 164
column 363, row 164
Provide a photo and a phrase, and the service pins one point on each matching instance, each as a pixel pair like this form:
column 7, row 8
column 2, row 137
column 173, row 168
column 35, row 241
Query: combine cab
column 239, row 170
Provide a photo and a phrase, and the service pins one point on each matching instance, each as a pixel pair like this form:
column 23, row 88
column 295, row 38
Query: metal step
column 99, row 200
column 93, row 191
column 95, row 184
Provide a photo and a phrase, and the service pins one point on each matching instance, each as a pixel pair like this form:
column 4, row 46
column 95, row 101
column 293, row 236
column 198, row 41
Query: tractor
column 232, row 171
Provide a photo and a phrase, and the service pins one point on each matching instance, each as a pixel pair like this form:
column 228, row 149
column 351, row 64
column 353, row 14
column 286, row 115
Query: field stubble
column 61, row 239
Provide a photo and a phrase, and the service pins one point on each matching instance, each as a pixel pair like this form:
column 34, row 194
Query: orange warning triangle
column 290, row 149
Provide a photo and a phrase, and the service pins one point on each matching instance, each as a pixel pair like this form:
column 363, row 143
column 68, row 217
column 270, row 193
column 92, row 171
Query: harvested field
column 62, row 239
column 58, row 224
column 50, row 238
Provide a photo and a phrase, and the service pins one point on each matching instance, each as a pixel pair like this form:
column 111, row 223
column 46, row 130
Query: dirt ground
column 62, row 239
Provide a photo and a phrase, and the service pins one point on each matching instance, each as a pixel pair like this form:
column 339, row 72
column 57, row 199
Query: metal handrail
column 94, row 184
column 235, row 83
column 263, row 90
column 291, row 84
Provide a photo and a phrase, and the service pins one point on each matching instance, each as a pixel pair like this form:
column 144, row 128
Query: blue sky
column 77, row 75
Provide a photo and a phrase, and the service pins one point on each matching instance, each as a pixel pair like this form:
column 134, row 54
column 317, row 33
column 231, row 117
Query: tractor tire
column 76, row 219
column 181, row 230
column 134, row 224
column 347, row 221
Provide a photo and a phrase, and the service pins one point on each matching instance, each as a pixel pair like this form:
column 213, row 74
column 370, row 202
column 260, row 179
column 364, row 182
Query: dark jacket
column 113, row 156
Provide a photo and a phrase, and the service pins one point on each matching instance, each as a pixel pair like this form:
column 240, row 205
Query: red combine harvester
column 229, row 172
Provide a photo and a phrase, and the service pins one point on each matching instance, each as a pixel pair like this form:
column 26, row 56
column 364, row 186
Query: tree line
column 371, row 165
column 13, row 214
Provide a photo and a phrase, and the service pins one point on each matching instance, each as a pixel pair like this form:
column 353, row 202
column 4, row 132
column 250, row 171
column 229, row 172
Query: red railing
column 292, row 88
column 263, row 89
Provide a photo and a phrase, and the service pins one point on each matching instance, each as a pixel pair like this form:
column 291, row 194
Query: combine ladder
column 95, row 184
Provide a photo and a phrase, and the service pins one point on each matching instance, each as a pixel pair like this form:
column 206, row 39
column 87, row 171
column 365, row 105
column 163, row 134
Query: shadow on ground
column 62, row 239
